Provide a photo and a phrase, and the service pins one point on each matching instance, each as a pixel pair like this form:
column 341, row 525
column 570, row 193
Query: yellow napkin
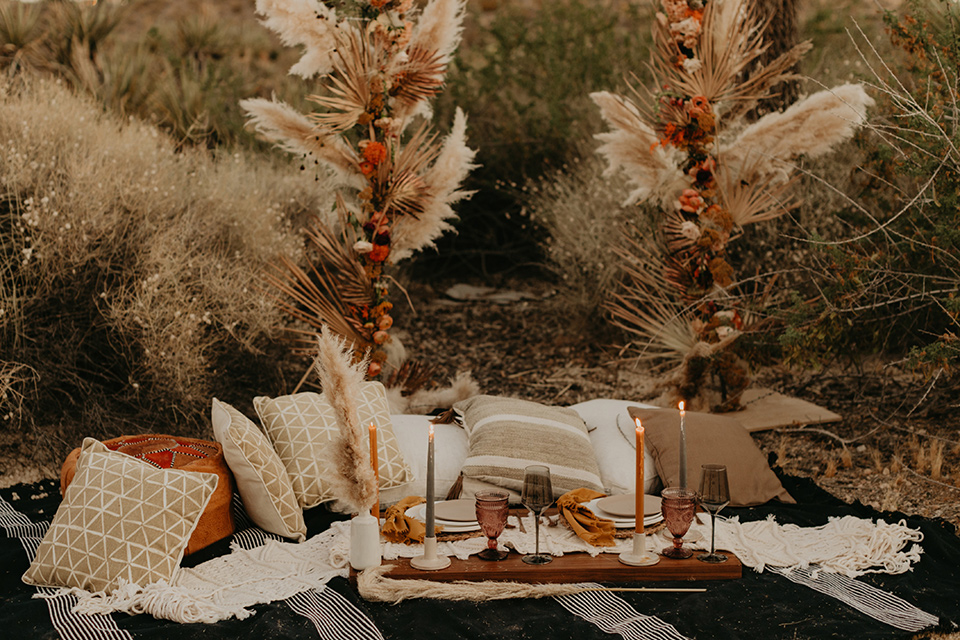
column 400, row 528
column 597, row 531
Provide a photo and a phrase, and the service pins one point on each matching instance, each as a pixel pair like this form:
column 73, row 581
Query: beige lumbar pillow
column 507, row 435
column 302, row 426
column 121, row 519
column 711, row 439
column 261, row 478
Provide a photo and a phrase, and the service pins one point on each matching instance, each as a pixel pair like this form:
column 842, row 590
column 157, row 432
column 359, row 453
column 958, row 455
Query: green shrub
column 130, row 288
column 891, row 280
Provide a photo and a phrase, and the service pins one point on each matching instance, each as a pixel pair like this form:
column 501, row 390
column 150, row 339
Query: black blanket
column 756, row 606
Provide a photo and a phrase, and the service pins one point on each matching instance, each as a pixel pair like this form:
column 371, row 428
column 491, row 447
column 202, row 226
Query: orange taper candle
column 376, row 468
column 640, row 479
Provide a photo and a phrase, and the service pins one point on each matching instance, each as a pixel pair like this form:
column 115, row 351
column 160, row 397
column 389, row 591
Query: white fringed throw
column 225, row 587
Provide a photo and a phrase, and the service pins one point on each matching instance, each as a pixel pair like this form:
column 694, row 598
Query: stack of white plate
column 455, row 516
column 622, row 510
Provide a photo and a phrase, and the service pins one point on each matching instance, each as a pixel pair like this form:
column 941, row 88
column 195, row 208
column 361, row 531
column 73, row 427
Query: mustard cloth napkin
column 597, row 531
column 400, row 528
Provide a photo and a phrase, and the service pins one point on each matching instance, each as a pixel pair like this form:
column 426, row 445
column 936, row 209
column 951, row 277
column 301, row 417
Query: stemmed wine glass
column 714, row 496
column 537, row 496
column 678, row 507
column 492, row 516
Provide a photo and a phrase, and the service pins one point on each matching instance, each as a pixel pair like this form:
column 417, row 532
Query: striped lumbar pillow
column 507, row 435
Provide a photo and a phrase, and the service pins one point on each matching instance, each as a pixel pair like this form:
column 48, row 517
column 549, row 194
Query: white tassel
column 159, row 600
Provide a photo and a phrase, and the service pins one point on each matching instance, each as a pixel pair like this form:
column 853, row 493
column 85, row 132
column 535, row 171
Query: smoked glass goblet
column 492, row 515
column 714, row 496
column 537, row 496
column 678, row 507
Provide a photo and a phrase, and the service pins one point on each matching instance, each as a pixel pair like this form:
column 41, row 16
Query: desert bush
column 523, row 77
column 129, row 293
column 185, row 72
column 891, row 280
column 579, row 209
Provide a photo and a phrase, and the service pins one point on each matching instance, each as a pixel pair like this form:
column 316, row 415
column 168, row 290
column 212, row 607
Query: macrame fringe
column 158, row 599
column 373, row 586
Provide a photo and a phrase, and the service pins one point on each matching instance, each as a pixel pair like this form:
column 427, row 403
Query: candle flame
column 639, row 424
column 431, row 431
column 681, row 405
column 373, row 427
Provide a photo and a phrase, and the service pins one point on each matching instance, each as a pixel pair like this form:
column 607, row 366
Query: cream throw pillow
column 121, row 519
column 507, row 435
column 303, row 425
column 261, row 478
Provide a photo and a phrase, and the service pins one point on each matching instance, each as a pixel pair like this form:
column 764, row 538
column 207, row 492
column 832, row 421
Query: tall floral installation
column 377, row 64
column 693, row 157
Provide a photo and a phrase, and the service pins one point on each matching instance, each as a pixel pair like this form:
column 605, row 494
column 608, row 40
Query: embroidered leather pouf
column 188, row 454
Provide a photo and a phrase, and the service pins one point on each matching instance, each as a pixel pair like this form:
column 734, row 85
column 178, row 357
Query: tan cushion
column 262, row 480
column 120, row 519
column 507, row 435
column 302, row 426
column 711, row 439
column 177, row 452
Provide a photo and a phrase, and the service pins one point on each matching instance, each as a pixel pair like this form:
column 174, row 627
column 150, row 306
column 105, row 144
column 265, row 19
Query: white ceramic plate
column 419, row 512
column 624, row 505
column 620, row 522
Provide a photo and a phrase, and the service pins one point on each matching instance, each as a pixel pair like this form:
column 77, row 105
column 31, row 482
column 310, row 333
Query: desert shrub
column 185, row 71
column 524, row 77
column 891, row 280
column 130, row 282
column 580, row 210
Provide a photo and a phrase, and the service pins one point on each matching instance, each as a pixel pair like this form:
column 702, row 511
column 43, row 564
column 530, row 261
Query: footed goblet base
column 677, row 553
column 534, row 558
column 712, row 558
column 493, row 554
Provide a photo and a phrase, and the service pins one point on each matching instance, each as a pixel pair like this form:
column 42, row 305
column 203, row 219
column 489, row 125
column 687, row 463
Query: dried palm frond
column 292, row 131
column 442, row 181
column 411, row 376
column 419, row 77
column 324, row 293
column 354, row 65
column 403, row 187
column 731, row 40
column 650, row 307
column 634, row 147
column 355, row 482
column 751, row 196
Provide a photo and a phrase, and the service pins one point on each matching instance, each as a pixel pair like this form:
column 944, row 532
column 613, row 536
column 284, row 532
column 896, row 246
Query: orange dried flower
column 375, row 153
column 374, row 369
column 366, row 168
column 379, row 253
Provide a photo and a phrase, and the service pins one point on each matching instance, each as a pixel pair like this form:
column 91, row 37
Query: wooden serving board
column 573, row 567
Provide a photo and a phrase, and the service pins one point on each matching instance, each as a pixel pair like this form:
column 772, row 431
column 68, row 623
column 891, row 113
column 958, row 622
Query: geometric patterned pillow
column 120, row 518
column 262, row 480
column 303, row 425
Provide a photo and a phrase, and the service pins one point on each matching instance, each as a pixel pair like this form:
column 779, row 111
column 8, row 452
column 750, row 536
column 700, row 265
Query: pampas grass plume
column 354, row 483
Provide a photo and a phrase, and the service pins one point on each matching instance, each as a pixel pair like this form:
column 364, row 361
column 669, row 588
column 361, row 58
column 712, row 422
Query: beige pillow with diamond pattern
column 262, row 480
column 302, row 425
column 120, row 519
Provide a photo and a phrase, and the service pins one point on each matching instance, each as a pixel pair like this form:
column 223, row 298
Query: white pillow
column 451, row 446
column 614, row 439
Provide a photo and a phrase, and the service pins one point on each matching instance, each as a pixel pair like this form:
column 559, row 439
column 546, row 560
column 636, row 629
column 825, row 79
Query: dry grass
column 131, row 283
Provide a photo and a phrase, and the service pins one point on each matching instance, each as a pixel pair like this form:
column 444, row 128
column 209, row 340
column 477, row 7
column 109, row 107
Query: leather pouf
column 188, row 454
